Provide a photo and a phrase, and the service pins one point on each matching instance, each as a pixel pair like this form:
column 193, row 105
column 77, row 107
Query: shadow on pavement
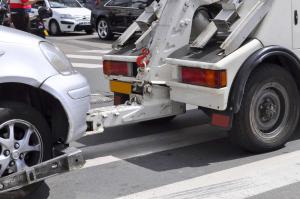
column 192, row 118
column 42, row 192
column 208, row 153
column 199, row 155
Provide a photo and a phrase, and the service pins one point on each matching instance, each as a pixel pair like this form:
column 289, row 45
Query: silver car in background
column 43, row 101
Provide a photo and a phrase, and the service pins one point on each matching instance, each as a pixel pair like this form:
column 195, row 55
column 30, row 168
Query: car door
column 137, row 8
column 296, row 23
column 118, row 13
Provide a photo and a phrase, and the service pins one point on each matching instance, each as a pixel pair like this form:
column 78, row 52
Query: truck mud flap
column 71, row 159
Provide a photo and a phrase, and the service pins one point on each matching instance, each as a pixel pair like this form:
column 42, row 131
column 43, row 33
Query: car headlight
column 57, row 58
column 66, row 16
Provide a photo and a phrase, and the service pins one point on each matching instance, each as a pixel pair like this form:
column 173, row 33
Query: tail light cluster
column 119, row 68
column 204, row 77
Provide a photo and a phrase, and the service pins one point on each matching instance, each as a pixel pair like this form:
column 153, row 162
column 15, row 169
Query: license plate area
column 121, row 87
column 85, row 23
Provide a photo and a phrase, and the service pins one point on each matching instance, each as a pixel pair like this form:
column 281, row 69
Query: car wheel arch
column 34, row 96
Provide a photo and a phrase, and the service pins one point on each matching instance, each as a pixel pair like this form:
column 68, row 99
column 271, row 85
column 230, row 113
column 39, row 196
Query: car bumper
column 73, row 92
column 199, row 96
column 67, row 25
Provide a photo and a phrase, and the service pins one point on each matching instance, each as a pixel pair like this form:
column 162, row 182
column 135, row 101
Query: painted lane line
column 100, row 161
column 85, row 65
column 147, row 145
column 90, row 57
column 236, row 183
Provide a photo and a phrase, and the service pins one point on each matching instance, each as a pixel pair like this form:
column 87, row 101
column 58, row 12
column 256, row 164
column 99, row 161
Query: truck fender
column 267, row 54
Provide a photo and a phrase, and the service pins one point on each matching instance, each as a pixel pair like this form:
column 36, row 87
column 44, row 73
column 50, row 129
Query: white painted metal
column 155, row 106
column 239, row 21
column 207, row 97
column 296, row 27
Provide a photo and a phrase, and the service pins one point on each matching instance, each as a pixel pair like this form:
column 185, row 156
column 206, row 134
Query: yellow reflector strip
column 46, row 33
column 120, row 87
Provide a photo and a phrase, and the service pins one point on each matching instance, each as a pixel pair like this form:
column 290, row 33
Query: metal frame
column 71, row 159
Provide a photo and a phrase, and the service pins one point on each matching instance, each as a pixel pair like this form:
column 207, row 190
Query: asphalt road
column 184, row 158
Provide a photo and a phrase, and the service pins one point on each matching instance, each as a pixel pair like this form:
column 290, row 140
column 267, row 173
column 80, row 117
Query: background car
column 43, row 101
column 4, row 13
column 68, row 16
column 112, row 17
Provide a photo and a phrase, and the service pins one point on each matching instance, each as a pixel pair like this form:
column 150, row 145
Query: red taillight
column 117, row 68
column 204, row 77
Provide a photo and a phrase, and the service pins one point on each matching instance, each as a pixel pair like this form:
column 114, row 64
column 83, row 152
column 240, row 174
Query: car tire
column 31, row 132
column 104, row 29
column 54, row 28
column 269, row 112
column 89, row 31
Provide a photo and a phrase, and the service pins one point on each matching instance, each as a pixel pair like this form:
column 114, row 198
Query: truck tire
column 270, row 110
column 24, row 141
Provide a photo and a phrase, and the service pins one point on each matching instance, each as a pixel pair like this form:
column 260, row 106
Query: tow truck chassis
column 69, row 160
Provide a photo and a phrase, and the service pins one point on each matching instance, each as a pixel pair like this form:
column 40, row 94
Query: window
column 38, row 4
column 120, row 3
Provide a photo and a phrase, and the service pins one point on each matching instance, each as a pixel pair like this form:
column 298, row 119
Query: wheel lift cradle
column 167, row 27
column 70, row 159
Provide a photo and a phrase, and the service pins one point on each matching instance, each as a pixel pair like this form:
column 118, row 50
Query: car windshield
column 64, row 4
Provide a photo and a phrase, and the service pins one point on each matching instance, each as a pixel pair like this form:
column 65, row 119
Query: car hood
column 73, row 11
column 10, row 35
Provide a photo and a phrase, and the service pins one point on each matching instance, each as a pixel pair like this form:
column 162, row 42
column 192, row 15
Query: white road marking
column 90, row 57
column 85, row 65
column 146, row 145
column 95, row 51
column 101, row 161
column 235, row 183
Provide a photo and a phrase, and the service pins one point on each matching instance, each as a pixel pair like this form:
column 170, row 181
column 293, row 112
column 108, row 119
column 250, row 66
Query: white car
column 68, row 16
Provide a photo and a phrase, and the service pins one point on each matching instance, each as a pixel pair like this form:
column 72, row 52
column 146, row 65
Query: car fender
column 24, row 64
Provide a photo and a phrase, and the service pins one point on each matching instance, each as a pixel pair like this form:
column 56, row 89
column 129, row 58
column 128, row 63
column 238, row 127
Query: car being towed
column 68, row 16
column 43, row 101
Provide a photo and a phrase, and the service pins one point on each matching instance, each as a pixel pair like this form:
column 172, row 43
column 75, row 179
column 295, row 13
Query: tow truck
column 237, row 60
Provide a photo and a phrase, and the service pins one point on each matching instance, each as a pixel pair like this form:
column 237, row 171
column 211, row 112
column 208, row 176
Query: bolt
column 12, row 163
column 17, row 145
column 6, row 153
column 22, row 156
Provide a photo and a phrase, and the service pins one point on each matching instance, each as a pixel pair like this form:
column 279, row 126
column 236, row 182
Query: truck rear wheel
column 24, row 141
column 270, row 110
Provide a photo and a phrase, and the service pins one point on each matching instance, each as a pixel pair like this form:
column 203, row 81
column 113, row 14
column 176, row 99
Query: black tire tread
column 240, row 133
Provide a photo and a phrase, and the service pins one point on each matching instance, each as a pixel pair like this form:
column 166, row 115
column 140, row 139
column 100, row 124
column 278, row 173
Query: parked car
column 112, row 17
column 43, row 101
column 68, row 16
column 4, row 13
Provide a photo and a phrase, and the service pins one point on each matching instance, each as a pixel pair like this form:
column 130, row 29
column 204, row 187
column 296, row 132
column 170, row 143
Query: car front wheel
column 24, row 141
column 54, row 28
